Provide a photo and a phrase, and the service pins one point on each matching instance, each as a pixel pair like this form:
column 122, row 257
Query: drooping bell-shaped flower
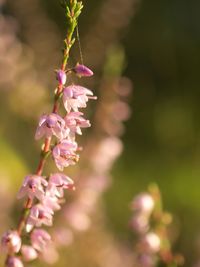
column 76, row 96
column 58, row 182
column 64, row 154
column 14, row 262
column 11, row 242
column 40, row 239
column 74, row 122
column 39, row 215
column 33, row 186
column 28, row 253
column 50, row 201
column 49, row 125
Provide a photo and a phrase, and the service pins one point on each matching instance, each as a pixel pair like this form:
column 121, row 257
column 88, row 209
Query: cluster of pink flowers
column 101, row 151
column 151, row 223
column 149, row 241
column 46, row 193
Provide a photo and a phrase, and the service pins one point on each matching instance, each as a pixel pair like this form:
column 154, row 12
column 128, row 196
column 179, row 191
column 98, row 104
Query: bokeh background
column 158, row 43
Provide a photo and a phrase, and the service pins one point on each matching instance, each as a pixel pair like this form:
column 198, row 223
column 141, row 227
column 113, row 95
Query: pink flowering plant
column 42, row 192
column 151, row 224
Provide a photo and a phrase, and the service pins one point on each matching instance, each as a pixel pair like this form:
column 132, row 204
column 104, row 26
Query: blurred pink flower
column 40, row 239
column 74, row 121
column 121, row 111
column 49, row 254
column 39, row 215
column 11, row 242
column 107, row 151
column 49, row 125
column 82, row 70
column 77, row 217
column 28, row 253
column 147, row 260
column 143, row 203
column 33, row 186
column 14, row 262
column 76, row 96
column 151, row 242
column 51, row 202
column 63, row 236
column 140, row 223
column 64, row 154
column 58, row 182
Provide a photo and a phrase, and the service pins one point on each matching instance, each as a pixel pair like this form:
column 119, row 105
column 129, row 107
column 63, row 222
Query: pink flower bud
column 61, row 77
column 14, row 262
column 11, row 242
column 29, row 253
column 82, row 70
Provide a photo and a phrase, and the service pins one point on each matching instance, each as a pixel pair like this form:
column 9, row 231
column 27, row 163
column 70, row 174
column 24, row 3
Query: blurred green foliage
column 162, row 138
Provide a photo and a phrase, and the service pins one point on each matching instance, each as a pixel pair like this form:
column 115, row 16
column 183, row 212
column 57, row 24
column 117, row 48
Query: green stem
column 72, row 12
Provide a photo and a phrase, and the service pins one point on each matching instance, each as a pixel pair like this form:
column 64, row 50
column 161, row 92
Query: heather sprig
column 102, row 148
column 44, row 193
column 151, row 224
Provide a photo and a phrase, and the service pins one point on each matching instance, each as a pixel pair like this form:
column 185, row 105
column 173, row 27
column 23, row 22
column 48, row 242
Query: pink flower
column 74, row 121
column 14, row 262
column 61, row 77
column 58, row 182
column 29, row 253
column 39, row 215
column 49, row 254
column 107, row 152
column 40, row 239
column 147, row 260
column 75, row 96
column 143, row 203
column 50, row 202
column 11, row 242
column 64, row 154
column 82, row 70
column 140, row 223
column 49, row 125
column 77, row 217
column 151, row 242
column 63, row 236
column 33, row 186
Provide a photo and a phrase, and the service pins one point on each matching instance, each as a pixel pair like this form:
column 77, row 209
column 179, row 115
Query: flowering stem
column 72, row 12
